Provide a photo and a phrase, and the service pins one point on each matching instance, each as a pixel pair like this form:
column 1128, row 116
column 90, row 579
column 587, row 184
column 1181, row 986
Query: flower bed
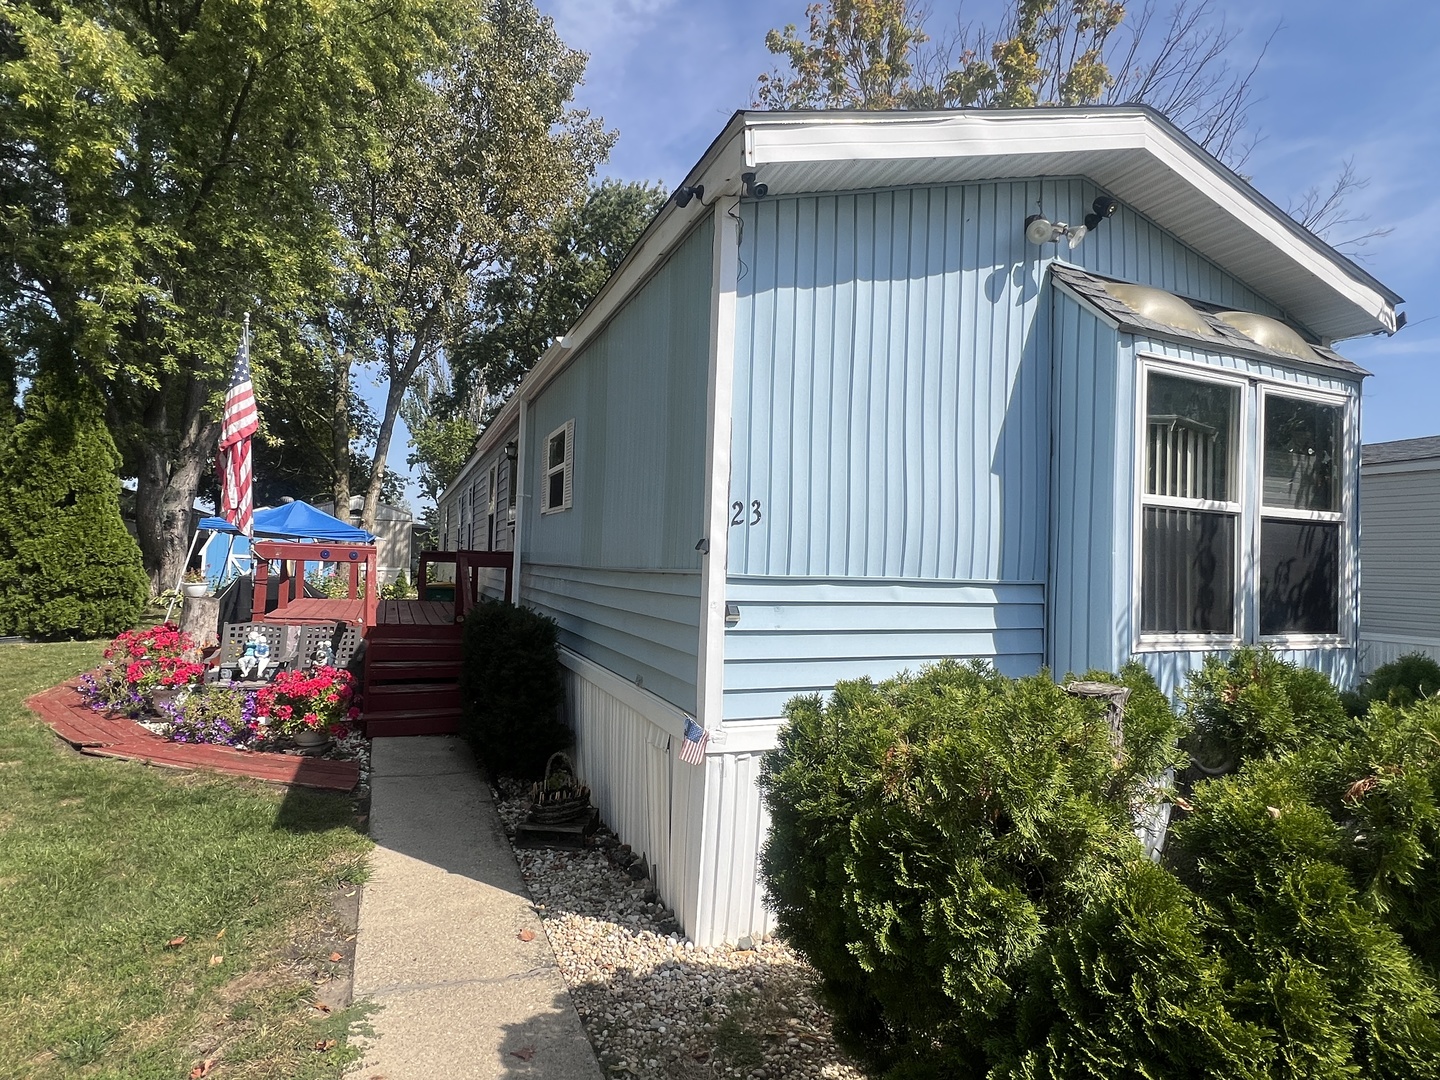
column 152, row 676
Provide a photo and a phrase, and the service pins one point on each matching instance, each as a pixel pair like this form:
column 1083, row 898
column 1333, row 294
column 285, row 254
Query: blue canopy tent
column 295, row 521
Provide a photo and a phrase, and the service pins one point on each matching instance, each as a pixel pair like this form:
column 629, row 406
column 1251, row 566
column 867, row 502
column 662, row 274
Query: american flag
column 692, row 750
column 241, row 421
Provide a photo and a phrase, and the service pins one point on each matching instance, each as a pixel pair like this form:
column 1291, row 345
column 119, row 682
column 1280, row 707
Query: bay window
column 1241, row 517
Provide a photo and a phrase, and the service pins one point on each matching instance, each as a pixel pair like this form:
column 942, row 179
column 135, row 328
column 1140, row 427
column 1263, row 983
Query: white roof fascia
column 774, row 138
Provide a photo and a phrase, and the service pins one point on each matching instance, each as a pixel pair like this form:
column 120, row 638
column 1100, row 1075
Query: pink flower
column 310, row 720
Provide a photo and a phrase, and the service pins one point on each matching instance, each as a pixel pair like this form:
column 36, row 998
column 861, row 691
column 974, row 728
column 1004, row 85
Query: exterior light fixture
column 512, row 451
column 1040, row 230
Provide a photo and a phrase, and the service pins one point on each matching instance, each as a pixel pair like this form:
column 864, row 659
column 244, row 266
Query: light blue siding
column 893, row 421
column 799, row 635
column 1095, row 563
column 642, row 625
column 1089, row 593
column 637, row 393
column 892, row 377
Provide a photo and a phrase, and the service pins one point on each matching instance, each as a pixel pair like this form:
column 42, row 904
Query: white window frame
column 566, row 467
column 1238, row 479
column 1249, row 482
column 1344, row 623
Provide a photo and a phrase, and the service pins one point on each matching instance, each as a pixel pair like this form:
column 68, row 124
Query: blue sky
column 1337, row 81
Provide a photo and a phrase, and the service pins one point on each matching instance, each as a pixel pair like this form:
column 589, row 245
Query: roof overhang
column 1131, row 151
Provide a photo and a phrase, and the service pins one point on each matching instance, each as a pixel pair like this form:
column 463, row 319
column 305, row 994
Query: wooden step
column 410, row 670
column 414, row 650
column 416, row 722
column 413, row 633
column 408, row 697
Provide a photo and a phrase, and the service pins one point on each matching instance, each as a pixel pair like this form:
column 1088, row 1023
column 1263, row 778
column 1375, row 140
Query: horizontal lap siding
column 635, row 623
column 1400, row 554
column 800, row 636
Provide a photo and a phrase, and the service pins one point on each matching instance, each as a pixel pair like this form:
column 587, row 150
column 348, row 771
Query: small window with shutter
column 558, row 478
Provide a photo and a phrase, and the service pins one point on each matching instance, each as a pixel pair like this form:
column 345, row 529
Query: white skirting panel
column 627, row 744
column 1377, row 649
column 732, row 902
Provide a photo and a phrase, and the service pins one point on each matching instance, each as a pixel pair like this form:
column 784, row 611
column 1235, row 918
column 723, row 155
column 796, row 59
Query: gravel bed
column 654, row 1004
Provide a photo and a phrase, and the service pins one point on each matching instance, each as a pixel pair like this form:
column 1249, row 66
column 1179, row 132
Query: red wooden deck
column 308, row 610
column 415, row 613
column 106, row 736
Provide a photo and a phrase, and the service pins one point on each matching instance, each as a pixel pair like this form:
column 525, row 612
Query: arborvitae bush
column 1401, row 683
column 955, row 854
column 68, row 568
column 928, row 833
column 511, row 689
column 1253, row 704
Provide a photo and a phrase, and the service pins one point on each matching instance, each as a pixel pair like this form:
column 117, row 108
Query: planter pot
column 195, row 589
column 311, row 738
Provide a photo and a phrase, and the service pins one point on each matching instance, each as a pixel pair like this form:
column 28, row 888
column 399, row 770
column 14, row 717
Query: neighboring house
column 394, row 528
column 1400, row 550
column 836, row 416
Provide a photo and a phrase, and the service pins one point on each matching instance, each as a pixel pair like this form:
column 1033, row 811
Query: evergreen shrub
column 1254, row 704
column 511, row 689
column 68, row 567
column 1401, row 682
column 954, row 852
column 929, row 832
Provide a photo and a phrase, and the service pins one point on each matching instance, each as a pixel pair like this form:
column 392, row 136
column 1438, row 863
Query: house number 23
column 738, row 517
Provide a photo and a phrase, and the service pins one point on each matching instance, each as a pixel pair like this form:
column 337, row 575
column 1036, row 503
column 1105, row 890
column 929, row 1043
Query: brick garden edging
column 100, row 735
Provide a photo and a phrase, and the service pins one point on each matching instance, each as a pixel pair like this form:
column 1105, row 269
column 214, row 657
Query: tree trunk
column 167, row 482
column 394, row 394
column 340, row 436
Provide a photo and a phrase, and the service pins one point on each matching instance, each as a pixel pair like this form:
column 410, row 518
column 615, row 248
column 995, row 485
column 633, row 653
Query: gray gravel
column 653, row 1003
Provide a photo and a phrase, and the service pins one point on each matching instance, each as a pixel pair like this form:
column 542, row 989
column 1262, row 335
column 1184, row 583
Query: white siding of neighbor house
column 1400, row 562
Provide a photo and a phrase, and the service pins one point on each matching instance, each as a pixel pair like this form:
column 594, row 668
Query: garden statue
column 256, row 657
column 324, row 655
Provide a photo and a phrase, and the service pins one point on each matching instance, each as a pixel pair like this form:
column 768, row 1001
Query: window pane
column 1189, row 437
column 1299, row 577
column 1302, row 450
column 1187, row 584
column 556, row 481
column 557, row 449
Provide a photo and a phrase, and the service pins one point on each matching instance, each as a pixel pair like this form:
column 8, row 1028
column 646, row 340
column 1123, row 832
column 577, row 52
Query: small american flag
column 692, row 750
column 240, row 422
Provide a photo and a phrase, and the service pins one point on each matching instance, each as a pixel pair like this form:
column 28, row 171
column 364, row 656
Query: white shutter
column 569, row 498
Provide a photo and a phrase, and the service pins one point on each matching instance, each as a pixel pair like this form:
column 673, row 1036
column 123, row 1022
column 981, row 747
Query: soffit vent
column 1160, row 306
column 1271, row 333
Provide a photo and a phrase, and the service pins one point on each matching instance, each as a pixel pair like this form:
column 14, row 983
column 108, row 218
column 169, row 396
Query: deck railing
column 468, row 565
column 293, row 557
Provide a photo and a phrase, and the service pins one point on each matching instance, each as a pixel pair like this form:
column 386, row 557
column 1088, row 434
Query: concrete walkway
column 460, row 996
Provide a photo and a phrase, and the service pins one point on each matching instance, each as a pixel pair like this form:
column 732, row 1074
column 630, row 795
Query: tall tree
column 526, row 305
column 875, row 54
column 159, row 169
column 483, row 151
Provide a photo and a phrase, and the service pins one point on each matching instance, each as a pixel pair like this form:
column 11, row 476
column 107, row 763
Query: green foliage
column 875, row 54
column 954, row 853
column 399, row 589
column 928, row 832
column 1400, row 683
column 1254, row 704
column 510, row 688
column 68, row 568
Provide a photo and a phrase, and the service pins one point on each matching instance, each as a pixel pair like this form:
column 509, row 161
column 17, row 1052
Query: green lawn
column 102, row 863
